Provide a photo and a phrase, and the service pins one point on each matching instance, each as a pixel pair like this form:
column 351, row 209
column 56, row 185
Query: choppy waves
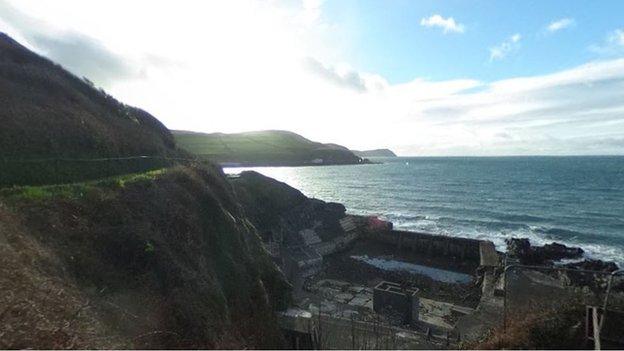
column 576, row 201
column 498, row 232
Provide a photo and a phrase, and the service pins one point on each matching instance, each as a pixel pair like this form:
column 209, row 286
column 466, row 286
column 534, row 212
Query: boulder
column 556, row 251
column 594, row 265
column 276, row 207
column 522, row 249
column 518, row 247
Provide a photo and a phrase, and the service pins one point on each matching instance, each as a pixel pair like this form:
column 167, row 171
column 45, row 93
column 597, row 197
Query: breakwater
column 429, row 244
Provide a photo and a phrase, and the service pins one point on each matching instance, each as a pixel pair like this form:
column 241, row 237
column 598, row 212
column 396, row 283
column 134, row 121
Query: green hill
column 375, row 153
column 264, row 148
column 164, row 259
column 49, row 116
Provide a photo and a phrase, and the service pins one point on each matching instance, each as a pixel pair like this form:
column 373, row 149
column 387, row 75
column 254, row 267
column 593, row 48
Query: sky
column 433, row 78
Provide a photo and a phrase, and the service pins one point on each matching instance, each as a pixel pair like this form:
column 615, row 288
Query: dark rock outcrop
column 556, row 251
column 281, row 211
column 593, row 265
column 587, row 275
column 518, row 247
column 522, row 249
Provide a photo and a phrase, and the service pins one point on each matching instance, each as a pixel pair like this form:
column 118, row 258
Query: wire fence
column 45, row 171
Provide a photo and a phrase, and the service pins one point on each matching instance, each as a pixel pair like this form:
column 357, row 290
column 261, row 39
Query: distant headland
column 375, row 153
column 265, row 148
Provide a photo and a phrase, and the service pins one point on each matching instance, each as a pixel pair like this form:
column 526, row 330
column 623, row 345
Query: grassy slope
column 165, row 259
column 263, row 148
column 161, row 259
column 550, row 329
column 49, row 113
column 375, row 153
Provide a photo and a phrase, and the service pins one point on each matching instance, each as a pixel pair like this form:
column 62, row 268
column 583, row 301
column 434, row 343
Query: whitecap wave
column 537, row 235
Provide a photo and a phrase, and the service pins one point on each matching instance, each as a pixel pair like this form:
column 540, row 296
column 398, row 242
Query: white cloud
column 560, row 24
column 312, row 11
column 612, row 45
column 508, row 46
column 576, row 111
column 345, row 76
column 617, row 37
column 237, row 66
column 447, row 24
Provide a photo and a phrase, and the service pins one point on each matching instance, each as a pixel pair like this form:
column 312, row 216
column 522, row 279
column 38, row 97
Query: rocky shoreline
column 553, row 254
column 316, row 243
column 282, row 209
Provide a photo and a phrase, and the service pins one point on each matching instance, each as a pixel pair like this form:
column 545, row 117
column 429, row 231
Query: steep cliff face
column 276, row 208
column 165, row 259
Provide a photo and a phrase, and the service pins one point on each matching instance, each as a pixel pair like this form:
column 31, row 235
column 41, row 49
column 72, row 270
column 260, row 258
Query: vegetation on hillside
column 551, row 328
column 277, row 208
column 161, row 260
column 264, row 148
column 49, row 114
column 375, row 153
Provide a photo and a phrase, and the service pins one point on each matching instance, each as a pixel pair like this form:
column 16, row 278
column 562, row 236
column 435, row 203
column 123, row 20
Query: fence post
column 352, row 332
column 596, row 327
column 606, row 300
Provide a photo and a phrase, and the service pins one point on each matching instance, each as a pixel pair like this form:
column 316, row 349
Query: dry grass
column 39, row 305
column 168, row 262
column 560, row 328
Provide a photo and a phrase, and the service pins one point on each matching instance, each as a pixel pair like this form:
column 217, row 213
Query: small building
column 389, row 297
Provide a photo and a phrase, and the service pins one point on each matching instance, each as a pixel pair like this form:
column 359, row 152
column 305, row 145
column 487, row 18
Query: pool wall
column 429, row 244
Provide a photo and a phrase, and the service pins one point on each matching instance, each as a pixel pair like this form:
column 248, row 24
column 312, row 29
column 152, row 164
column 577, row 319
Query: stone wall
column 429, row 244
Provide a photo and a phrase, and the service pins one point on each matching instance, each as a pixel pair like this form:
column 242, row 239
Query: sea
column 575, row 200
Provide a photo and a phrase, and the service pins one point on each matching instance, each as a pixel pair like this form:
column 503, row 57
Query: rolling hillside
column 264, row 148
column 48, row 113
column 160, row 259
column 375, row 153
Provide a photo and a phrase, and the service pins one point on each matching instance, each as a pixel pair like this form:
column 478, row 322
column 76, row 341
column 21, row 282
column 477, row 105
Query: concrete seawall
column 430, row 244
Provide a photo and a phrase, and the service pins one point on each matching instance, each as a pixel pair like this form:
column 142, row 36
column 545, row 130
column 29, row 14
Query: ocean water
column 441, row 275
column 573, row 200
